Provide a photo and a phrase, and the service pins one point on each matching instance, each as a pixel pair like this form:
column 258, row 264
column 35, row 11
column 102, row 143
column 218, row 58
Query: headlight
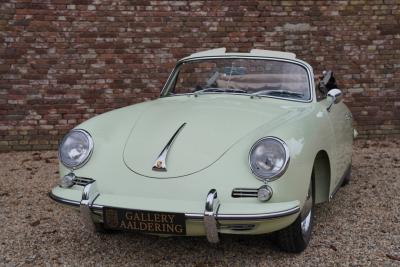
column 269, row 158
column 76, row 148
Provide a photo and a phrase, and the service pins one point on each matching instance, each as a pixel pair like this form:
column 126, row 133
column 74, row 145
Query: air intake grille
column 82, row 181
column 241, row 227
column 244, row 192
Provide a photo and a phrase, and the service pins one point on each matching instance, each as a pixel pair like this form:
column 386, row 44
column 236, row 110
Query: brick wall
column 64, row 61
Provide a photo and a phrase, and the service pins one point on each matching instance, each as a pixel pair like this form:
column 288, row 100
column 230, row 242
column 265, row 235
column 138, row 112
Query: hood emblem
column 160, row 164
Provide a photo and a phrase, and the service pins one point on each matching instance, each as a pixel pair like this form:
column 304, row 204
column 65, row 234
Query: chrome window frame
column 307, row 67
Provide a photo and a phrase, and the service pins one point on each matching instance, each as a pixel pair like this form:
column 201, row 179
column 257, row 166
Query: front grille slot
column 244, row 192
column 82, row 181
column 240, row 227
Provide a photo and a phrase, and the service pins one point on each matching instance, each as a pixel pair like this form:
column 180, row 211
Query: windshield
column 261, row 77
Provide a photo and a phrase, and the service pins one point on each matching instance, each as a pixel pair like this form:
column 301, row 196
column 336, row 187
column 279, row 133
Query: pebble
column 359, row 227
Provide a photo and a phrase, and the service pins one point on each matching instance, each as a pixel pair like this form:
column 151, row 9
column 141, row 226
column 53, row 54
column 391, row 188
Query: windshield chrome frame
column 294, row 61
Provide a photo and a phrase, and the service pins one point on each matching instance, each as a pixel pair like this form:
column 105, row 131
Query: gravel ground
column 360, row 227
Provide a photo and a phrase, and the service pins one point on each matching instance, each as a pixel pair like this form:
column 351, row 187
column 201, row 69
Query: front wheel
column 347, row 177
column 296, row 236
column 99, row 228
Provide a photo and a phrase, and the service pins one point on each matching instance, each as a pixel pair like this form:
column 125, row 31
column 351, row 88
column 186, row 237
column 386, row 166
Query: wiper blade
column 277, row 93
column 221, row 90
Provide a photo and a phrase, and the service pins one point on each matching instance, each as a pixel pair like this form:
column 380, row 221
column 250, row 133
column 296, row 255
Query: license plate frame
column 153, row 222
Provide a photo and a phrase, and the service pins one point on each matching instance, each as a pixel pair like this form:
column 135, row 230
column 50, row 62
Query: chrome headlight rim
column 90, row 148
column 285, row 164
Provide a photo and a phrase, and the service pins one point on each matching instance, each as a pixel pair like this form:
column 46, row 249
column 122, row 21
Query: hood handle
column 161, row 161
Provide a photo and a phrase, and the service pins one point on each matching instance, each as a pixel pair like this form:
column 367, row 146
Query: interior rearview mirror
column 336, row 96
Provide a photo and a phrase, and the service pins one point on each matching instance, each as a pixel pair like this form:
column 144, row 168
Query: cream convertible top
column 253, row 53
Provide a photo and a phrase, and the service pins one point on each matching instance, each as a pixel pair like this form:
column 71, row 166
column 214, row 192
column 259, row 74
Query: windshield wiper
column 278, row 93
column 220, row 90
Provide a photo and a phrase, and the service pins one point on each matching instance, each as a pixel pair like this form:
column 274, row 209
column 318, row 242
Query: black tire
column 99, row 228
column 347, row 177
column 293, row 238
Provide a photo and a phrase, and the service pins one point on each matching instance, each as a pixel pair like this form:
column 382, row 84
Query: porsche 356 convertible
column 237, row 143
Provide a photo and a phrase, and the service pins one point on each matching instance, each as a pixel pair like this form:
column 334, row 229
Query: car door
column 340, row 119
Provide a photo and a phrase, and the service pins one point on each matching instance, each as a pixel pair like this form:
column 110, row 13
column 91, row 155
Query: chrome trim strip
column 247, row 217
column 161, row 164
column 210, row 214
column 194, row 216
column 200, row 216
column 63, row 200
column 72, row 203
column 260, row 216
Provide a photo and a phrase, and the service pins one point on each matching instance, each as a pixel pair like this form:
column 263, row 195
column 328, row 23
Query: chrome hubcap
column 306, row 212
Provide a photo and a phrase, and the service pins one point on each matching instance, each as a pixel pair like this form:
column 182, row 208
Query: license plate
column 144, row 221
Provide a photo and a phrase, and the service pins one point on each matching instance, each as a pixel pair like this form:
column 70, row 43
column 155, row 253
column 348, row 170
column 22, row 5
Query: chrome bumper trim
column 89, row 195
column 213, row 220
column 200, row 216
column 210, row 213
column 73, row 203
column 259, row 216
column 246, row 217
column 63, row 200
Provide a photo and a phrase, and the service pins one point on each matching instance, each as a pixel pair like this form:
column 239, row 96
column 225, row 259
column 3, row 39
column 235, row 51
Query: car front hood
column 210, row 125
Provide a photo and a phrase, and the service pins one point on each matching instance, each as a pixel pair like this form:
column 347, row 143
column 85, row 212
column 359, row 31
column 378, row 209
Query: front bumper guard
column 211, row 218
column 89, row 195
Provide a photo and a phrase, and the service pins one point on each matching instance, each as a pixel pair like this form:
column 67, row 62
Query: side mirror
column 336, row 96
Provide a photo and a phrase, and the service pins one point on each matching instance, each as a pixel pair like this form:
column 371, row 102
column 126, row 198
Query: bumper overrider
column 214, row 221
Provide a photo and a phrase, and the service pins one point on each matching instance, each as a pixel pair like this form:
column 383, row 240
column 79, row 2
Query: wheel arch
column 322, row 176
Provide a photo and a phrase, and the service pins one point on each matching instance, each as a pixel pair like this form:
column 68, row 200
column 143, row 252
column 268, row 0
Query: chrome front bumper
column 211, row 218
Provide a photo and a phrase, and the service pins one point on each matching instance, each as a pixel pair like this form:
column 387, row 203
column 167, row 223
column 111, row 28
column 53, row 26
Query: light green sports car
column 237, row 143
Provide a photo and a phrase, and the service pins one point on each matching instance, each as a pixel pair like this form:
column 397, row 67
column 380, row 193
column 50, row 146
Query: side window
column 318, row 92
column 324, row 83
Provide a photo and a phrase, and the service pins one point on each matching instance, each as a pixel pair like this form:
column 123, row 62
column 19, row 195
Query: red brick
column 64, row 61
